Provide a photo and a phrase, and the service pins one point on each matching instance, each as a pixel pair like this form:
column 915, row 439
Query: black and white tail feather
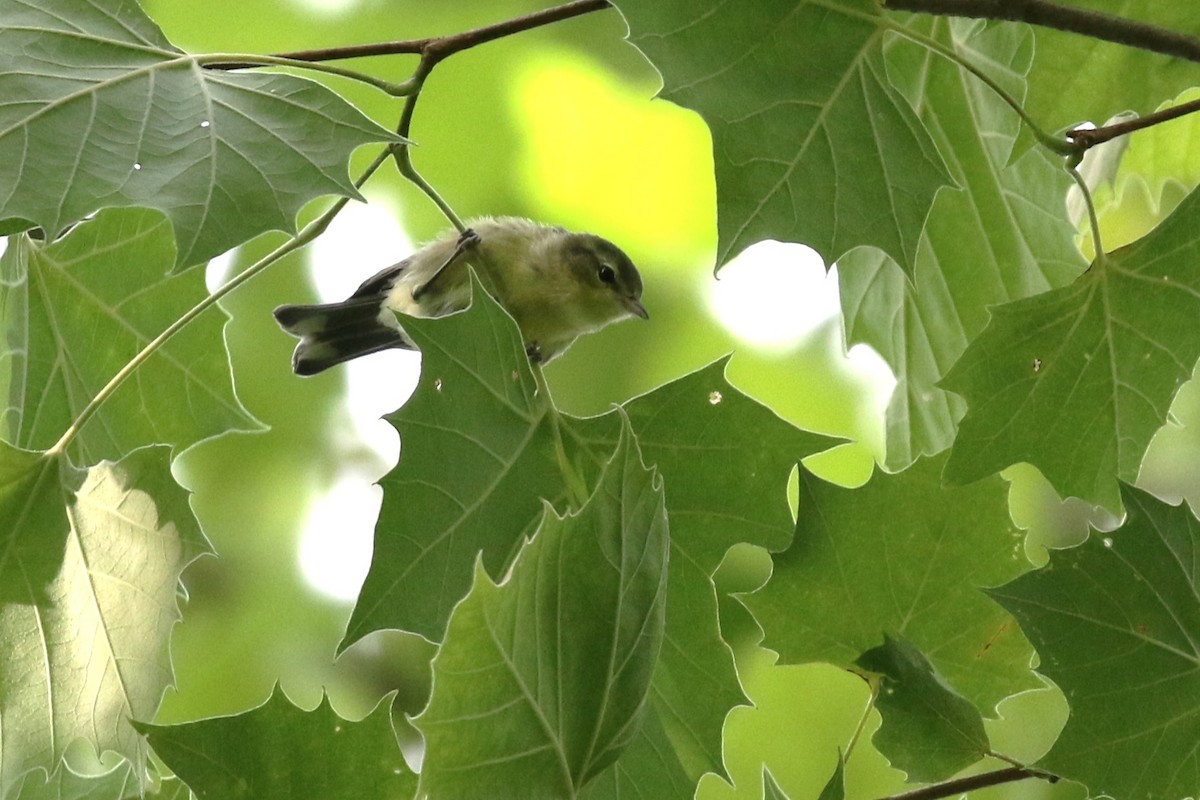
column 335, row 332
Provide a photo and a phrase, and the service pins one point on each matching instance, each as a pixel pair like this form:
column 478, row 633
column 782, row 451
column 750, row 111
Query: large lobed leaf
column 1076, row 381
column 1116, row 622
column 1004, row 235
column 77, row 310
column 559, row 655
column 901, row 555
column 479, row 456
column 89, row 577
column 811, row 143
column 98, row 109
column 280, row 752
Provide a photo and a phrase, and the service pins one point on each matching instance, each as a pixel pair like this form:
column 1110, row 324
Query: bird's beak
column 635, row 307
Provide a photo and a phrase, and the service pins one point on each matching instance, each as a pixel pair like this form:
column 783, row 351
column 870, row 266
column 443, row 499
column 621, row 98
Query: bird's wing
column 381, row 282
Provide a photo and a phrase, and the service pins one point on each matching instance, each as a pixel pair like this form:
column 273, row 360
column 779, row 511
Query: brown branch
column 1088, row 138
column 971, row 782
column 438, row 47
column 1095, row 24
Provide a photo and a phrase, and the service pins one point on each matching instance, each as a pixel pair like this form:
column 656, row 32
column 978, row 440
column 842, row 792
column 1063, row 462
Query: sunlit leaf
column 929, row 730
column 89, row 570
column 280, row 751
column 77, row 310
column 811, row 142
column 901, row 555
column 1116, row 622
column 100, row 110
column 1004, row 235
column 1076, row 381
column 559, row 655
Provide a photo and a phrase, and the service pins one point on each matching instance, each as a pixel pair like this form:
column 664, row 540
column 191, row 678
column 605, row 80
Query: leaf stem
column 577, row 490
column 227, row 61
column 1095, row 24
column 1053, row 143
column 1093, row 221
column 872, row 682
column 958, row 786
column 309, row 232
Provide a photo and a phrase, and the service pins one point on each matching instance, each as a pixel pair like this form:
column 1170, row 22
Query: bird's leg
column 466, row 241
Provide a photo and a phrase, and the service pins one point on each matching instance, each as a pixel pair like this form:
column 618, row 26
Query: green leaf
column 1076, row 78
column 118, row 783
column 477, row 461
column 1003, row 236
column 725, row 458
column 89, row 565
column 835, row 789
column 559, row 655
column 77, row 310
column 280, row 751
column 649, row 767
column 901, row 555
column 100, row 110
column 1076, row 381
column 811, row 143
column 832, row 791
column 929, row 730
column 1116, row 622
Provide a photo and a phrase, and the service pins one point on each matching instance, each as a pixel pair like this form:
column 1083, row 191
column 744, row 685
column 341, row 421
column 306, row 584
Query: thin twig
column 432, row 52
column 452, row 43
column 1095, row 24
column 1088, row 138
column 971, row 782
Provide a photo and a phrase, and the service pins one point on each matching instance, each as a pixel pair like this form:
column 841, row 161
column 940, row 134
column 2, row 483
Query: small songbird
column 557, row 285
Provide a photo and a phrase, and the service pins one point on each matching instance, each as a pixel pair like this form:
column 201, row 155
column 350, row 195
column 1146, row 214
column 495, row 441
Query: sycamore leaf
column 118, row 783
column 929, row 731
column 89, row 570
column 98, row 109
column 1076, row 381
column 811, row 142
column 835, row 788
column 1003, row 236
column 477, row 462
column 901, row 555
column 278, row 751
column 1116, row 622
column 560, row 654
column 77, row 310
column 649, row 767
column 725, row 459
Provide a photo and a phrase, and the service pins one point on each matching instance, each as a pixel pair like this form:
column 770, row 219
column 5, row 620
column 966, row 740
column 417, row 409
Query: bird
column 557, row 285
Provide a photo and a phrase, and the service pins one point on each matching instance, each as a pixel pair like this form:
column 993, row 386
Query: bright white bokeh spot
column 333, row 562
column 774, row 294
column 336, row 547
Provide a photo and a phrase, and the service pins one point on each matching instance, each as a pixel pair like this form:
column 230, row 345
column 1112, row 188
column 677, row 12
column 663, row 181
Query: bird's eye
column 607, row 274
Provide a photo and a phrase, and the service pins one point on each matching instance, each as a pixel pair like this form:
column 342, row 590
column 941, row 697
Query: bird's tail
column 336, row 332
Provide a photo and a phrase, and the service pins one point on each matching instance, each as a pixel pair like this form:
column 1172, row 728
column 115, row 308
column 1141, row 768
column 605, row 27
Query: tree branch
column 1088, row 138
column 971, row 782
column 440, row 46
column 1095, row 24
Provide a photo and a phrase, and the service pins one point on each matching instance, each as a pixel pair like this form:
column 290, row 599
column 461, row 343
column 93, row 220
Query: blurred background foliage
column 556, row 124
